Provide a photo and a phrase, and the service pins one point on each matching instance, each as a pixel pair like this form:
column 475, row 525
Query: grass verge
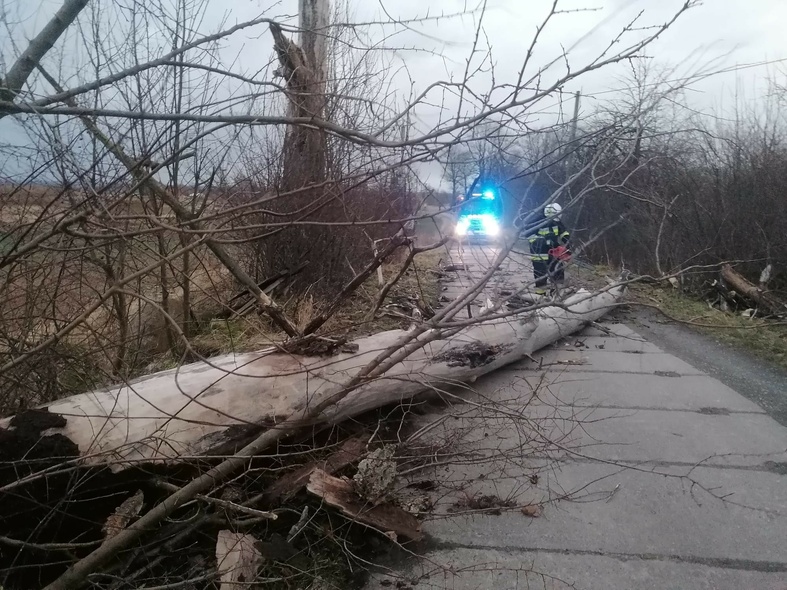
column 765, row 338
column 351, row 319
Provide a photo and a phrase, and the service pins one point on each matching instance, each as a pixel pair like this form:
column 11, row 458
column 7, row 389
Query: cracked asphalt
column 666, row 468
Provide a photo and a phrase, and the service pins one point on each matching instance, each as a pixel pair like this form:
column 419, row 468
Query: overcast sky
column 717, row 34
column 748, row 30
column 731, row 32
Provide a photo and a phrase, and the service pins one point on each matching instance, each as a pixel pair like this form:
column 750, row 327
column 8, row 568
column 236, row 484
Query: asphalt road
column 666, row 468
column 762, row 382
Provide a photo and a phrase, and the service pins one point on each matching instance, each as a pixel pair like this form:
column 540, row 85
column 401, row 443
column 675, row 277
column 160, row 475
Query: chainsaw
column 560, row 253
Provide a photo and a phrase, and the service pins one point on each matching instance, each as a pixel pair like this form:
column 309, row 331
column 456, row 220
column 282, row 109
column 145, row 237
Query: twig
column 298, row 526
column 46, row 546
column 182, row 213
column 223, row 503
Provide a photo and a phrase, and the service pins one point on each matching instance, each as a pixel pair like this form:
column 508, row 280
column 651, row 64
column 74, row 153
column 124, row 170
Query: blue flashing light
column 489, row 195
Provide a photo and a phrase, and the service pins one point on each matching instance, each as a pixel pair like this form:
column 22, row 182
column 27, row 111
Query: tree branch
column 185, row 217
column 38, row 48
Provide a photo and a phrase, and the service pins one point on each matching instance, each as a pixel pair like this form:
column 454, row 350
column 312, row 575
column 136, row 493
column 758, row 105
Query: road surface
column 657, row 475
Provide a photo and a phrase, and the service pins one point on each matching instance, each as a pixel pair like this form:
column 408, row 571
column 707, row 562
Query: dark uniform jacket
column 551, row 234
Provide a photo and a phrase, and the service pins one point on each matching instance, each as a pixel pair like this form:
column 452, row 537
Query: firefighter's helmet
column 553, row 210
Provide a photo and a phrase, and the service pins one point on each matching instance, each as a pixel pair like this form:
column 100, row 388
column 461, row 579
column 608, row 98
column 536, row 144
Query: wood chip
column 123, row 515
column 285, row 488
column 387, row 518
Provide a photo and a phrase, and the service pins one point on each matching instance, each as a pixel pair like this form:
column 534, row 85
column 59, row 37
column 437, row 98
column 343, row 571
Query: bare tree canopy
column 217, row 265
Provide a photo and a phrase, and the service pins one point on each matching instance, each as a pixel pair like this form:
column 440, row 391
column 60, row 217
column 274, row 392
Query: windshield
column 480, row 206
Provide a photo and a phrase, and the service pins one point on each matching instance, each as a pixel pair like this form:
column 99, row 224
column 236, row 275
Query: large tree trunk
column 471, row 352
column 751, row 291
column 304, row 160
column 314, row 22
column 216, row 408
column 304, row 69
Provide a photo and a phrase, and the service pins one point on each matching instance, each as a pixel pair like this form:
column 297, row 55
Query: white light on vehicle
column 490, row 225
column 462, row 226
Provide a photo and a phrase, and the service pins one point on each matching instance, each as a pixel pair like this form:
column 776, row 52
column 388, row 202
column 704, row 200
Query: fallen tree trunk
column 336, row 402
column 762, row 298
column 219, row 406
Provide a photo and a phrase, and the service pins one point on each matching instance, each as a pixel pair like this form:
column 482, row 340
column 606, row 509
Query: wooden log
column 388, row 518
column 219, row 406
column 751, row 291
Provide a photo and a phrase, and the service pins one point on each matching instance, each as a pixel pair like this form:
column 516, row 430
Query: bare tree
column 181, row 179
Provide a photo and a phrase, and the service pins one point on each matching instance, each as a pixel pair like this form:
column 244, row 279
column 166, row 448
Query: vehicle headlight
column 491, row 226
column 462, row 226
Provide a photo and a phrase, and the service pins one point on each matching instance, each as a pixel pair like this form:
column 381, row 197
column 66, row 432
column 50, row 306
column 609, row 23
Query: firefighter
column 549, row 248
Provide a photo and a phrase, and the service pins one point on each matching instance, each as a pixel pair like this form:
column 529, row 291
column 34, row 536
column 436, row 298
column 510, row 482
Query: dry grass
column 252, row 332
column 243, row 334
column 53, row 285
column 417, row 281
column 765, row 338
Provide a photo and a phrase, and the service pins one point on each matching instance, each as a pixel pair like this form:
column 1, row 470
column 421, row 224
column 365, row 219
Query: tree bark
column 762, row 298
column 314, row 21
column 284, row 488
column 340, row 494
column 217, row 408
column 304, row 147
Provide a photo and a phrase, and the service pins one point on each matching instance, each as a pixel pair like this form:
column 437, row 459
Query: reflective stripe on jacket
column 545, row 238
